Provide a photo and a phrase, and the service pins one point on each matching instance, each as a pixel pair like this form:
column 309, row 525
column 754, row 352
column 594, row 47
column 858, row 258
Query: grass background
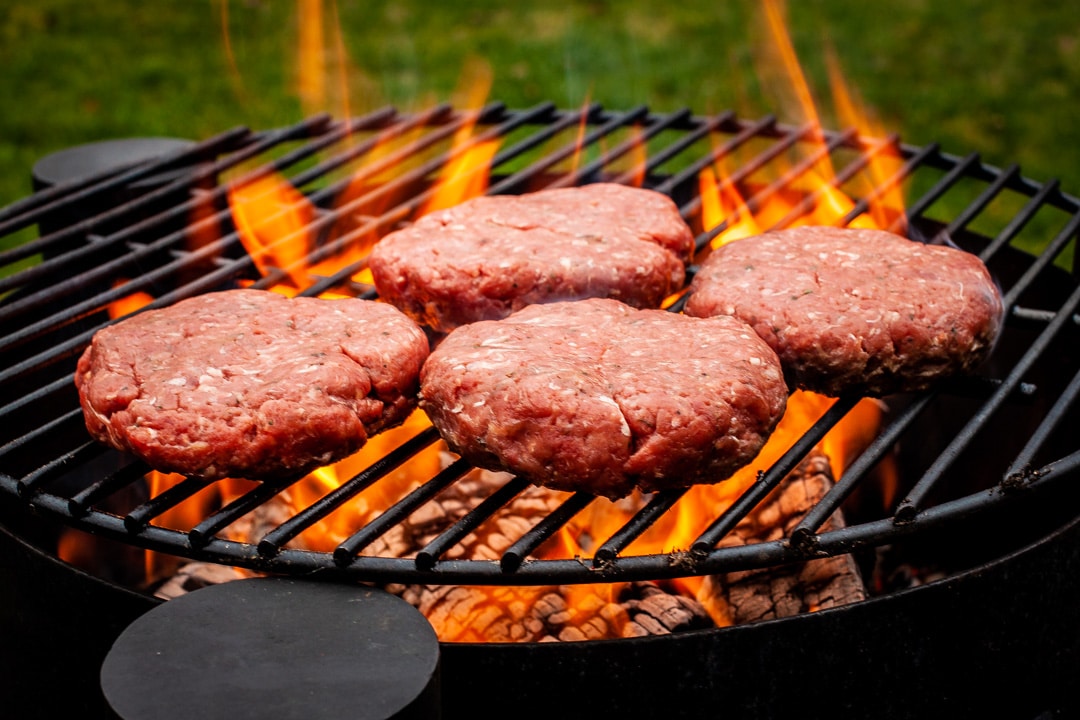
column 1002, row 78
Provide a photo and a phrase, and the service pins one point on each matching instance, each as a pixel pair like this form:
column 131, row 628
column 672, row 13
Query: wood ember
column 267, row 516
column 554, row 613
column 776, row 592
column 195, row 575
column 585, row 612
column 489, row 541
column 659, row 613
column 526, row 614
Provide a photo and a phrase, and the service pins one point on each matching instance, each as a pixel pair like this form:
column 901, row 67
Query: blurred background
column 1002, row 78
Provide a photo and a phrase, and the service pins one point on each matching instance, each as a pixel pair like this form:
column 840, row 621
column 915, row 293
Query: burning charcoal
column 470, row 614
column 263, row 519
column 660, row 613
column 195, row 575
column 782, row 591
column 576, row 613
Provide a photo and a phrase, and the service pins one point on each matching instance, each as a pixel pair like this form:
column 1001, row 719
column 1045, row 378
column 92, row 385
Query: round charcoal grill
column 982, row 446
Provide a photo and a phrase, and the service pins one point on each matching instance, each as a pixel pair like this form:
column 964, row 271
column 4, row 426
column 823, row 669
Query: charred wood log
column 776, row 592
column 553, row 613
column 584, row 612
column 195, row 575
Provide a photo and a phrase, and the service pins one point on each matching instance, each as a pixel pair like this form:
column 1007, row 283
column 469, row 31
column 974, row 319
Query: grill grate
column 367, row 175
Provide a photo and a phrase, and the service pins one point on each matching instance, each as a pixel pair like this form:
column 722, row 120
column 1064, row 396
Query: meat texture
column 854, row 310
column 490, row 256
column 246, row 383
column 601, row 397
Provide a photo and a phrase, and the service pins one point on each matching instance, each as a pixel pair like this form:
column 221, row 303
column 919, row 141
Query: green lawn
column 999, row 77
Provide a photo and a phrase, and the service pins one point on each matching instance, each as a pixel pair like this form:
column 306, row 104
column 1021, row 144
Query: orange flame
column 636, row 158
column 888, row 207
column 467, row 173
column 324, row 73
column 272, row 219
column 311, row 51
column 185, row 515
column 794, row 79
column 579, row 139
column 331, row 530
column 129, row 303
column 721, row 201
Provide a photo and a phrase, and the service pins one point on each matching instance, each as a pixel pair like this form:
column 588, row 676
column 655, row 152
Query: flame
column 367, row 505
column 465, row 177
column 272, row 219
column 324, row 71
column 792, row 77
column 230, row 57
column 731, row 215
column 579, row 139
column 186, row 514
column 888, row 208
column 631, row 167
column 723, row 204
column 467, row 173
column 311, row 51
column 129, row 303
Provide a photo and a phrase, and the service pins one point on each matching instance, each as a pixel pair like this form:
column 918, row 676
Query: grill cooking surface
column 163, row 228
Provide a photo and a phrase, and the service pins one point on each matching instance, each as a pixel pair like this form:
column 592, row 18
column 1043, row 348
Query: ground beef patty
column 490, row 256
column 855, row 310
column 251, row 384
column 597, row 396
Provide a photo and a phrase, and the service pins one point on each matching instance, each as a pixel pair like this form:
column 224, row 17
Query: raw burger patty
column 855, row 310
column 490, row 256
column 250, row 384
column 598, row 396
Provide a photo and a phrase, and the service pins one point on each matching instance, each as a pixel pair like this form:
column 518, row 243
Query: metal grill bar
column 772, row 478
column 83, row 502
column 199, row 535
column 657, row 159
column 642, row 521
column 621, row 150
column 811, row 200
column 515, row 182
column 430, row 553
column 909, row 167
column 182, row 211
column 136, row 520
column 803, row 533
column 273, row 541
column 1057, row 245
column 550, row 524
column 763, row 126
column 1021, row 219
column 141, row 252
column 1048, row 425
column 756, row 201
column 347, row 550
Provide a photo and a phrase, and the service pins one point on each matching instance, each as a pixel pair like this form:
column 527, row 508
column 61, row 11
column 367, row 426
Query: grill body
column 1000, row 639
column 985, row 463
